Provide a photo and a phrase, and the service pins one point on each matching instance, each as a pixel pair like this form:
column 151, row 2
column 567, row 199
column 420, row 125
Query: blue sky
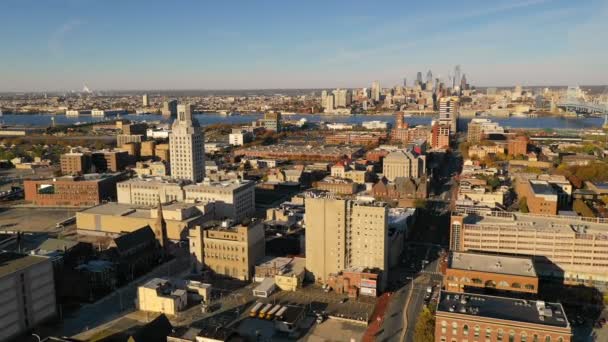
column 198, row 44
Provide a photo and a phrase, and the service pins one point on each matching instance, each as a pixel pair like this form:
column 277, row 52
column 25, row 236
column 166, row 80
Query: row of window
column 488, row 333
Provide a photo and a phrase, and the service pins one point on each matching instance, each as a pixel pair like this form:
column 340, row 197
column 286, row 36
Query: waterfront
column 45, row 120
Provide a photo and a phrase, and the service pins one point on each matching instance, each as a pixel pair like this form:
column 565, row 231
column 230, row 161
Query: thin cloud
column 55, row 42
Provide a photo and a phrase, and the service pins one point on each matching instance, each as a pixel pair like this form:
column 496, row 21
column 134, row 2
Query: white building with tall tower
column 187, row 146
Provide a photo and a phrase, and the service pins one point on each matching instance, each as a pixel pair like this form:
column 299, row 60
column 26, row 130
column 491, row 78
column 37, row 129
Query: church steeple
column 160, row 226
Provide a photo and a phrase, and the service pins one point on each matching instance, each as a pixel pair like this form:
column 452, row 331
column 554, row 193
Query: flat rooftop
column 133, row 210
column 13, row 262
column 542, row 188
column 549, row 224
column 503, row 308
column 492, row 263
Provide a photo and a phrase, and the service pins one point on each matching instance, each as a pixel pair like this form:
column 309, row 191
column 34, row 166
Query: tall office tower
column 323, row 98
column 329, row 103
column 463, row 82
column 456, row 77
column 187, row 146
column 419, row 77
column 376, row 91
column 170, row 108
column 342, row 233
column 404, row 82
column 429, row 76
column 145, row 101
column 448, row 111
column 339, row 97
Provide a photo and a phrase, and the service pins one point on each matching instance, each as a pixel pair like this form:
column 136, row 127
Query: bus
column 274, row 310
column 280, row 313
column 255, row 309
column 265, row 310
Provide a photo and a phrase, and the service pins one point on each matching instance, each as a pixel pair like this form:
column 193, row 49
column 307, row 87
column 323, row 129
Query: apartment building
column 28, row 293
column 569, row 248
column 344, row 233
column 228, row 249
column 517, row 146
column 75, row 163
column 473, row 317
column 440, row 135
column 479, row 129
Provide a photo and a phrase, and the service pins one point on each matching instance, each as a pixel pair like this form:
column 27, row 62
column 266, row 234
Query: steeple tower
column 160, row 227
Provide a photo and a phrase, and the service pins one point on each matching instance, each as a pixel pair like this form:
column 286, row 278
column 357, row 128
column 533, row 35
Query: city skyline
column 147, row 45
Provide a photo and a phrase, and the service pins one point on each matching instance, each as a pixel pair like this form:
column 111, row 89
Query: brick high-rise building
column 517, row 146
column 75, row 163
column 440, row 135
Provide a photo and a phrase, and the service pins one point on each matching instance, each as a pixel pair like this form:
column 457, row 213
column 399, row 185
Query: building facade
column 28, row 293
column 72, row 191
column 566, row 248
column 228, row 249
column 403, row 163
column 342, row 233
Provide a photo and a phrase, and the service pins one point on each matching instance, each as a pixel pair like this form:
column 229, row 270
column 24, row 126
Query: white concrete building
column 186, row 146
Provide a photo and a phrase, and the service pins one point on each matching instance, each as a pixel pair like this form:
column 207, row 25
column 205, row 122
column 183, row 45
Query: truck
column 254, row 310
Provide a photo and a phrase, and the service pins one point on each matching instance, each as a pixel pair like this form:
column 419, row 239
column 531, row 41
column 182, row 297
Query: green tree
column 425, row 327
column 523, row 205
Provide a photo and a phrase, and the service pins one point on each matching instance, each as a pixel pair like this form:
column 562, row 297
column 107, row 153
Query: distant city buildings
column 169, row 108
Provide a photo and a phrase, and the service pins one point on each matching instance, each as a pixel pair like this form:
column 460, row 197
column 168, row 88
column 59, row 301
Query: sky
column 199, row 44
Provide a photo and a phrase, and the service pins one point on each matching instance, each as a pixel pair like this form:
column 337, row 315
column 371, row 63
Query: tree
column 523, row 205
column 425, row 327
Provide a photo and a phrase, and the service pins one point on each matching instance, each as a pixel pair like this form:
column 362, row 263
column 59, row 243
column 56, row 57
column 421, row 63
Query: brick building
column 73, row 191
column 517, row 146
column 473, row 317
column 493, row 272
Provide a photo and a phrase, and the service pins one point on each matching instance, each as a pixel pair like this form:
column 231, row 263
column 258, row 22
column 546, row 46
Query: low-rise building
column 489, row 271
column 159, row 295
column 228, row 249
column 72, row 191
column 288, row 273
column 112, row 219
column 463, row 316
column 540, row 196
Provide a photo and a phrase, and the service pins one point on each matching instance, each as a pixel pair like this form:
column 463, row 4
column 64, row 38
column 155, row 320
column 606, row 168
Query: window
column 499, row 335
column 547, row 338
column 516, row 286
column 476, row 331
column 535, row 338
column 511, row 336
column 465, row 330
column 530, row 287
column 488, row 333
column 454, row 328
column 524, row 337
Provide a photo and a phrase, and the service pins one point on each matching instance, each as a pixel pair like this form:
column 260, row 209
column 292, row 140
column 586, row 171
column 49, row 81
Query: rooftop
column 542, row 188
column 547, row 223
column 503, row 308
column 492, row 263
column 12, row 262
column 135, row 211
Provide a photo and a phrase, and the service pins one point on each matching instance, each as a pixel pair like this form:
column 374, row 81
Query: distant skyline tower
column 429, row 76
column 456, row 76
column 405, row 82
column 376, row 91
column 187, row 146
column 463, row 82
column 419, row 77
column 145, row 101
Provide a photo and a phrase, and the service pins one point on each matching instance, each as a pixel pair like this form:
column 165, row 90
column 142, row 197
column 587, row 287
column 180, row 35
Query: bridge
column 584, row 108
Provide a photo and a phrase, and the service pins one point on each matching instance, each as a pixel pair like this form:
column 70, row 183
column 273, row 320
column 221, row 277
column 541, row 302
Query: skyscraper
column 376, row 91
column 404, row 82
column 187, row 146
column 456, row 77
column 419, row 77
column 145, row 101
column 429, row 76
column 169, row 108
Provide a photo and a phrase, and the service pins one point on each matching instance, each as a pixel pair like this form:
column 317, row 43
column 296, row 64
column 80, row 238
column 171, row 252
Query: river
column 44, row 120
